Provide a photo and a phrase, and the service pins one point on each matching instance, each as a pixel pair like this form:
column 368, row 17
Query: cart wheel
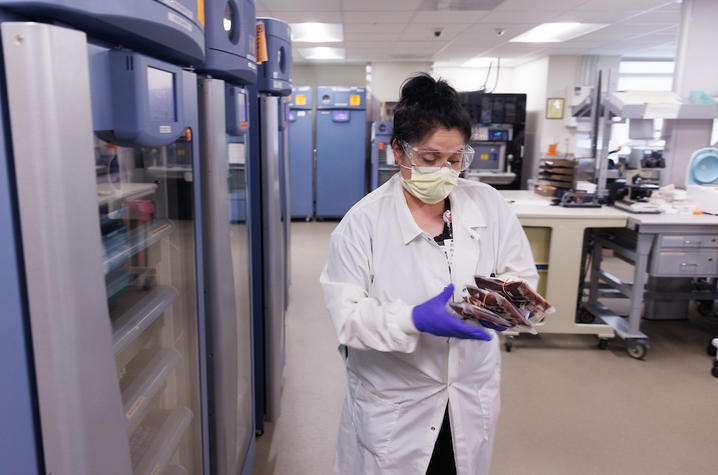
column 259, row 433
column 602, row 344
column 308, row 219
column 584, row 316
column 637, row 349
column 711, row 350
column 705, row 307
column 509, row 343
column 714, row 371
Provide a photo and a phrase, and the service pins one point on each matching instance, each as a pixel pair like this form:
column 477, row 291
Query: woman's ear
column 398, row 150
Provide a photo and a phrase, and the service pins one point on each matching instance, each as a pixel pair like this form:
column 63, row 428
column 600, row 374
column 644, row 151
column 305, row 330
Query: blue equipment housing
column 231, row 41
column 301, row 155
column 382, row 166
column 275, row 75
column 237, row 112
column 341, row 149
column 703, row 169
column 170, row 30
column 147, row 105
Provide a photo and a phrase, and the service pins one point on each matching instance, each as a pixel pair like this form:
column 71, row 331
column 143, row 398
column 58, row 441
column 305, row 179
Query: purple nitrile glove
column 433, row 317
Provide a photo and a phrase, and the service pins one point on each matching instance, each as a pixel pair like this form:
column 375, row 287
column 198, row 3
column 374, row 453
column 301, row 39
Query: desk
column 681, row 246
column 560, row 246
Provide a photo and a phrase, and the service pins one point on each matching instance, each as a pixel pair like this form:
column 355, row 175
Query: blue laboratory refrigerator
column 268, row 230
column 229, row 64
column 104, row 158
column 341, row 149
column 301, row 152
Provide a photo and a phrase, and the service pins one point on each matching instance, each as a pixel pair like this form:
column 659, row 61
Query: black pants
column 442, row 459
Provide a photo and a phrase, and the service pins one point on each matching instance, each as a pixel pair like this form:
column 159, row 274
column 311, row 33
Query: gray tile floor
column 568, row 408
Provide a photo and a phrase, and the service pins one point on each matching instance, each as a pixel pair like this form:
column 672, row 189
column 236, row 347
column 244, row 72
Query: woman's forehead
column 442, row 139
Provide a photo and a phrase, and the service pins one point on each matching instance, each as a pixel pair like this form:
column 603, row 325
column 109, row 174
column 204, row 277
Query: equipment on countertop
column 578, row 199
column 634, row 198
column 702, row 180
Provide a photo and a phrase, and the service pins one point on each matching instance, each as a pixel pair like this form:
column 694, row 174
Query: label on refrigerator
column 178, row 20
column 165, row 129
column 301, row 113
column 180, row 8
column 236, row 153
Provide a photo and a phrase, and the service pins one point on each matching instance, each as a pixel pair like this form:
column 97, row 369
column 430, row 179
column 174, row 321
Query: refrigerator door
column 273, row 254
column 109, row 243
column 227, row 283
column 81, row 412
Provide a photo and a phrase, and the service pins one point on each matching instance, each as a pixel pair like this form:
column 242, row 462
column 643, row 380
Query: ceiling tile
column 302, row 17
column 522, row 16
column 657, row 16
column 445, row 17
column 298, row 6
column 374, row 28
column 607, row 5
column 421, row 32
column 592, row 16
column 380, row 5
column 377, row 17
column 537, row 5
column 380, row 36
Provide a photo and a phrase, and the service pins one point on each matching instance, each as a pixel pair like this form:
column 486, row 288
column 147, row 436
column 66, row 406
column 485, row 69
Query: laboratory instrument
column 383, row 163
column 341, row 149
column 702, row 180
column 301, row 152
column 229, row 66
column 108, row 210
column 267, row 224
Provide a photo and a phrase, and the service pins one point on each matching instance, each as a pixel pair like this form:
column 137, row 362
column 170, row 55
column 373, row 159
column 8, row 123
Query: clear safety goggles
column 455, row 159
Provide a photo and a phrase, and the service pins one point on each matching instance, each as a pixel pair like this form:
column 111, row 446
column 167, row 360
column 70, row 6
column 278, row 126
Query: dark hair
column 425, row 105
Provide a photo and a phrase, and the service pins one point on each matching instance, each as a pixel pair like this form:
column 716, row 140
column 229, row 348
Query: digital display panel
column 341, row 116
column 161, row 94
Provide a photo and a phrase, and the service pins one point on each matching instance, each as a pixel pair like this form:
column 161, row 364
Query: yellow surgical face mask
column 431, row 184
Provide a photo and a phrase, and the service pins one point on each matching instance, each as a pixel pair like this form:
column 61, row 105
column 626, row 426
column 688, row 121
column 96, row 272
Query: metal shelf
column 138, row 240
column 157, row 439
column 148, row 382
column 137, row 318
column 108, row 193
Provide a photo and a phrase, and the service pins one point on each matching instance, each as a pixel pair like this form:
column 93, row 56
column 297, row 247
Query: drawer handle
column 692, row 242
column 686, row 264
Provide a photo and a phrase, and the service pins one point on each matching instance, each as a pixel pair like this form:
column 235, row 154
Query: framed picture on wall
column 554, row 108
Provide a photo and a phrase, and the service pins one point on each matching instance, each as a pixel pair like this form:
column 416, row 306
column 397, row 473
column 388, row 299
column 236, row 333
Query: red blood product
column 498, row 304
column 474, row 312
column 517, row 291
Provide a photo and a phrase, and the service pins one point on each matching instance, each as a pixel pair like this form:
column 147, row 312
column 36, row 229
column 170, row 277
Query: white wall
column 472, row 79
column 386, row 81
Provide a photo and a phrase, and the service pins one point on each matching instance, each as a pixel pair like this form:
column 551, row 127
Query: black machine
column 498, row 124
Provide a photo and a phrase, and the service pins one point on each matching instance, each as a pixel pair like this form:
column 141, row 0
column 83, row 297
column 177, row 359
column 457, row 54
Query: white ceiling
column 403, row 30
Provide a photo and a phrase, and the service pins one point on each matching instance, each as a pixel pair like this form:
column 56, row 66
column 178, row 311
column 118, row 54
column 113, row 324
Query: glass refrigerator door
column 145, row 198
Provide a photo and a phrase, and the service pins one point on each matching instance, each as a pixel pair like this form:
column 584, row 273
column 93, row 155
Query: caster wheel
column 714, row 371
column 509, row 344
column 711, row 350
column 705, row 307
column 637, row 349
column 308, row 219
column 602, row 344
column 259, row 433
column 584, row 316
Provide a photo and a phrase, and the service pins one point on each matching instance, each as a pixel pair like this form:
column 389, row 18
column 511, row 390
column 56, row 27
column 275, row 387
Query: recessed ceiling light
column 557, row 32
column 317, row 32
column 479, row 62
column 322, row 52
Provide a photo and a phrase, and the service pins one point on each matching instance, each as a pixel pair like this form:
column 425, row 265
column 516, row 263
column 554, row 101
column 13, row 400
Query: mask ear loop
column 404, row 153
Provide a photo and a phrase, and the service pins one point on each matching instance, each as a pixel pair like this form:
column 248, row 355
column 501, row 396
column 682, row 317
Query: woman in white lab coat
column 423, row 386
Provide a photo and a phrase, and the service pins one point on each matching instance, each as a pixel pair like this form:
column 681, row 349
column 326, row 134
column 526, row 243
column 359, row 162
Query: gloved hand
column 433, row 317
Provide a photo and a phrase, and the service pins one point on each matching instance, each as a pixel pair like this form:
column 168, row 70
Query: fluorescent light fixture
column 479, row 62
column 317, row 32
column 322, row 52
column 557, row 32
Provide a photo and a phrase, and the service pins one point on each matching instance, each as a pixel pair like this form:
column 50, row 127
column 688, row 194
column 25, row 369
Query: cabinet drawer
column 688, row 241
column 686, row 264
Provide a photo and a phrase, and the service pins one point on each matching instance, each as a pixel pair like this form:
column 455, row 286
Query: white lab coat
column 380, row 265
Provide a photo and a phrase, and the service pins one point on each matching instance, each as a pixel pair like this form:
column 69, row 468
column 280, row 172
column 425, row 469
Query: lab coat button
column 433, row 428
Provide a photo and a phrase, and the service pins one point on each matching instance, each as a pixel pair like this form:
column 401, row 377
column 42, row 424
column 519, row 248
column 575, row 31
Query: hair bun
column 426, row 90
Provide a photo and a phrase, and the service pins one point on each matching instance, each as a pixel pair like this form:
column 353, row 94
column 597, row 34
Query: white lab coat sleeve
column 514, row 258
column 363, row 322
